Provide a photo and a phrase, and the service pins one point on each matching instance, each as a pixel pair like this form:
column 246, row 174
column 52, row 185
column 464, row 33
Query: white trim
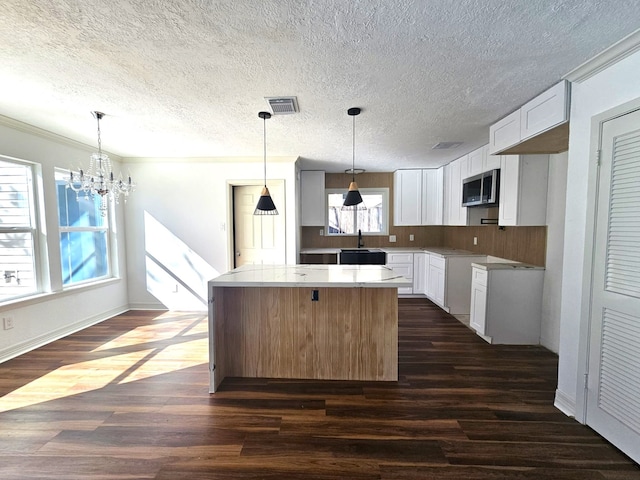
column 613, row 54
column 565, row 403
column 32, row 344
column 147, row 306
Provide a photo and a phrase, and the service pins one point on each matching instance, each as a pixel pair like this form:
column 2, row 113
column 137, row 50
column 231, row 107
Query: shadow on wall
column 176, row 275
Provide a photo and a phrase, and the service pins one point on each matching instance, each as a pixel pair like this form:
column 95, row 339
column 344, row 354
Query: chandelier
column 99, row 179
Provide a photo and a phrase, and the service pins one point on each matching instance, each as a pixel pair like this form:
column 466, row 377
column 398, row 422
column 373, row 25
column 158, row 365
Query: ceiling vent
column 283, row 105
column 446, row 145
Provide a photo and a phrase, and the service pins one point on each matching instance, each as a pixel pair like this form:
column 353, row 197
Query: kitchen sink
column 361, row 256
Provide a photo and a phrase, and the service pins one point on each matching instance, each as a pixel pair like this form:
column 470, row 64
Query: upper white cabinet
column 456, row 171
column 432, row 196
column 492, row 162
column 520, row 132
column 417, row 197
column 523, row 190
column 312, row 198
column 478, row 161
column 407, row 197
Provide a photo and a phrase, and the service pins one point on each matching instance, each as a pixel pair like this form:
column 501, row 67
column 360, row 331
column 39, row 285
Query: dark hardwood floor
column 127, row 399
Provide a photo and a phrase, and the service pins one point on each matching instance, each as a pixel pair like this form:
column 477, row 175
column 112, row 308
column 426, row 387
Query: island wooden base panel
column 347, row 334
column 127, row 399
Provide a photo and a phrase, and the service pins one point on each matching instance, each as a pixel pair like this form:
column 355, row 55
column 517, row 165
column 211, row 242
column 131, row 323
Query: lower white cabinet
column 506, row 303
column 402, row 264
column 420, row 270
column 449, row 281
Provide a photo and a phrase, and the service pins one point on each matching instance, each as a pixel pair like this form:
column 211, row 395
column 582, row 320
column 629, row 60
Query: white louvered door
column 613, row 397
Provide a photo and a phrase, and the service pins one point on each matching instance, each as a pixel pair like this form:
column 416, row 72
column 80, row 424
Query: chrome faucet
column 360, row 242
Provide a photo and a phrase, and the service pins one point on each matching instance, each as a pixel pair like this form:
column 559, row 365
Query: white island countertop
column 337, row 276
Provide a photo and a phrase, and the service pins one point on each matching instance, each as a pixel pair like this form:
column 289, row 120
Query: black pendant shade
column 353, row 198
column 265, row 203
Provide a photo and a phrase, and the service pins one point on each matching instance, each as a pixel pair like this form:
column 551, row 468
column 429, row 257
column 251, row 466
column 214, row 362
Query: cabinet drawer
column 479, row 277
column 399, row 258
column 437, row 262
column 405, row 270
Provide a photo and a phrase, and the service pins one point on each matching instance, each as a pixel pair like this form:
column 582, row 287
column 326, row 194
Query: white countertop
column 506, row 266
column 351, row 276
column 450, row 252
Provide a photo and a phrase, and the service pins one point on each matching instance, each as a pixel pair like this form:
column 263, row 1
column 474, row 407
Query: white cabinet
column 478, row 161
column 420, row 273
column 436, row 280
column 506, row 304
column 407, row 197
column 541, row 114
column 432, row 196
column 492, row 162
column 449, row 281
column 545, row 111
column 312, row 198
column 417, row 197
column 523, row 190
column 402, row 264
column 456, row 214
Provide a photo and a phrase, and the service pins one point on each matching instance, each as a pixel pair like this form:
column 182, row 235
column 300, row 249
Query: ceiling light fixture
column 353, row 198
column 98, row 179
column 265, row 203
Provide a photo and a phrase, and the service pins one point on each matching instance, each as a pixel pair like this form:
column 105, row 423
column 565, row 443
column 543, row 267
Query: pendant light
column 353, row 198
column 265, row 203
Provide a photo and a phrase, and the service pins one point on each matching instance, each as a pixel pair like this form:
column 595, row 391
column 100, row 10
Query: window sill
column 46, row 296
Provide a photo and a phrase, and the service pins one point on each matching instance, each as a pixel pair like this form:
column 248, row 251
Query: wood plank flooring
column 127, row 399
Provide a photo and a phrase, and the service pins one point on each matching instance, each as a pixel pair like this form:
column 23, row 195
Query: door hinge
column 586, row 381
column 598, row 155
column 211, row 300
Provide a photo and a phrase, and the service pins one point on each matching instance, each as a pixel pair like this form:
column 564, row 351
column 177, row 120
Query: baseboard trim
column 147, row 306
column 565, row 404
column 42, row 340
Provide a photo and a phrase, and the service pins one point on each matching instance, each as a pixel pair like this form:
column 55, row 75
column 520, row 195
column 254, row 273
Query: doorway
column 258, row 239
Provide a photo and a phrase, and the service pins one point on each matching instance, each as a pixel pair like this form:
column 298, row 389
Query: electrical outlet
column 411, row 237
column 392, row 238
column 321, row 232
column 475, row 240
column 8, row 323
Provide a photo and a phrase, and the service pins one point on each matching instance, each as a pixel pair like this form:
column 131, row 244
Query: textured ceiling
column 188, row 78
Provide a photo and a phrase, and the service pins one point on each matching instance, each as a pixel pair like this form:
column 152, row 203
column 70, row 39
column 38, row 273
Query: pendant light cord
column 353, row 158
column 264, row 130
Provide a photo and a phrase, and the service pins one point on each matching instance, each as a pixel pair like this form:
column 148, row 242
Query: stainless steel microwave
column 481, row 190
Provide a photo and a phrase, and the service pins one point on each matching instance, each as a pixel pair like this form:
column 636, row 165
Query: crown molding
column 612, row 55
column 54, row 137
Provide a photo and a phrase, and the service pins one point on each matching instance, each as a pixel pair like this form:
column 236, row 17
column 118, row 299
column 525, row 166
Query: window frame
column 35, row 229
column 383, row 191
column 108, row 229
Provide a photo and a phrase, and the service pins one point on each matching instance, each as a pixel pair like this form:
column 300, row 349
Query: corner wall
column 56, row 313
column 603, row 91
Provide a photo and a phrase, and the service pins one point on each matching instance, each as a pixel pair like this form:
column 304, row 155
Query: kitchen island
column 328, row 322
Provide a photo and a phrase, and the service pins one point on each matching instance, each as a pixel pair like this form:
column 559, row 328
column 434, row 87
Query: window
column 18, row 235
column 373, row 220
column 84, row 235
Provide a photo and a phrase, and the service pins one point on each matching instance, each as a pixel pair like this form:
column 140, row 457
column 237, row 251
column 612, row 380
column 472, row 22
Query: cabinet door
column 312, row 198
column 432, row 196
column 492, row 162
column 457, row 214
column 478, row 317
column 504, row 133
column 545, row 111
column 407, row 197
column 477, row 161
column 509, row 185
column 420, row 273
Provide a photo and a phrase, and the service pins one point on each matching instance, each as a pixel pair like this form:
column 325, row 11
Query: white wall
column 55, row 313
column 190, row 199
column 605, row 90
column 552, row 290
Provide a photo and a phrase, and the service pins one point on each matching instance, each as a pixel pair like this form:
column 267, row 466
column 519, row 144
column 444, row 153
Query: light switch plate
column 392, row 238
